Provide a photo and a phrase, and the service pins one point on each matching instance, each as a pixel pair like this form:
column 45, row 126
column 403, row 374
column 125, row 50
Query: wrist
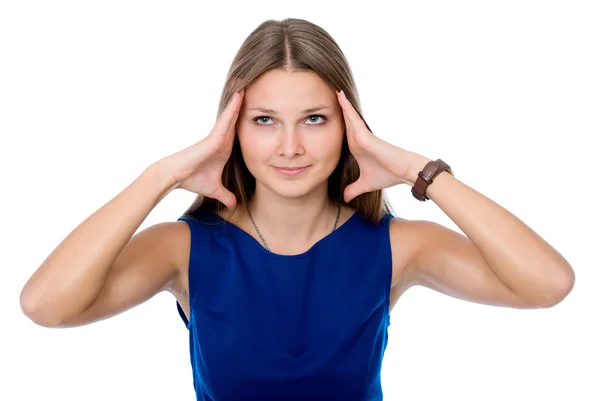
column 160, row 178
column 416, row 163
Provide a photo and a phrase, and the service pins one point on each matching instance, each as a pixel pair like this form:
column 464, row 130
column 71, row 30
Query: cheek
column 254, row 144
column 327, row 144
column 323, row 151
column 255, row 151
column 256, row 154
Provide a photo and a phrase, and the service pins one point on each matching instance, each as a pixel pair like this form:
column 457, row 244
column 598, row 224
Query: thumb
column 353, row 190
column 226, row 197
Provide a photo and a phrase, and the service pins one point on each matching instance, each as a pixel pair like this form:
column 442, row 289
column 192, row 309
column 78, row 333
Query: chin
column 292, row 189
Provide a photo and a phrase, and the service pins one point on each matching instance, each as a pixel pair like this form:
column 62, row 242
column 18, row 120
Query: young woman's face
column 290, row 120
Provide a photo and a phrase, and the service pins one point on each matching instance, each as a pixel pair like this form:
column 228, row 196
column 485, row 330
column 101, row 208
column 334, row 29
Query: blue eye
column 319, row 116
column 258, row 118
column 322, row 117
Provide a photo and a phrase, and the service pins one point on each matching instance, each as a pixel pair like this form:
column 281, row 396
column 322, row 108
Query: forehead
column 291, row 91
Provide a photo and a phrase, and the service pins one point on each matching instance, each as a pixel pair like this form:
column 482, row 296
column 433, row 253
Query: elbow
column 559, row 291
column 35, row 312
column 565, row 285
column 26, row 302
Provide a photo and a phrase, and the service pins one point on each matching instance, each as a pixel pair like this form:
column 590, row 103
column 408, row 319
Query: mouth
column 291, row 171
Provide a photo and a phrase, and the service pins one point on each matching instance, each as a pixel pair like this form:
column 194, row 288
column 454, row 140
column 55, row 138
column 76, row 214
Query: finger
column 226, row 197
column 229, row 115
column 350, row 114
column 353, row 190
column 343, row 101
column 233, row 120
column 231, row 128
column 345, row 114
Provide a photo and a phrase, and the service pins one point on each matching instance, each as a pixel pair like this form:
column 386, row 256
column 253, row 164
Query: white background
column 505, row 92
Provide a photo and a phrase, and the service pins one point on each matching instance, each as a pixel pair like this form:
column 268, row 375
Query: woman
column 288, row 264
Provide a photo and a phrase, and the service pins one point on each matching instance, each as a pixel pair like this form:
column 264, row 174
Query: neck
column 298, row 220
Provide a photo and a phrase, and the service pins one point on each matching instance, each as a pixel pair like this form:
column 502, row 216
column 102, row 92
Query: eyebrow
column 271, row 111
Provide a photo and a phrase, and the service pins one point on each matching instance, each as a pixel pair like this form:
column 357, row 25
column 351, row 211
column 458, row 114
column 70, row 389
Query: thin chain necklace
column 337, row 218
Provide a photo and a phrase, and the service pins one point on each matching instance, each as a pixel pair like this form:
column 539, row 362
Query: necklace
column 337, row 217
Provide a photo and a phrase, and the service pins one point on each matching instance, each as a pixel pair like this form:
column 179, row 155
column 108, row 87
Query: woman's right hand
column 199, row 167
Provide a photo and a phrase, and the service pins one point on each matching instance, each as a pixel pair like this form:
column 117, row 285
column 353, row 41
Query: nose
column 290, row 143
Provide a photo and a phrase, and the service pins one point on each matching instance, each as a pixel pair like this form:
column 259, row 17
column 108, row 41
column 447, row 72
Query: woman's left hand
column 381, row 164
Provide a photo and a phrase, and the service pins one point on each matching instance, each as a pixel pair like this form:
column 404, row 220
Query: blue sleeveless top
column 265, row 326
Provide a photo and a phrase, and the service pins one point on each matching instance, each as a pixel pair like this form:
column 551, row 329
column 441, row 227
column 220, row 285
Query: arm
column 73, row 276
column 500, row 261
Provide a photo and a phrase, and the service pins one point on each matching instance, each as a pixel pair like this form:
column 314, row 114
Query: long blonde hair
column 291, row 44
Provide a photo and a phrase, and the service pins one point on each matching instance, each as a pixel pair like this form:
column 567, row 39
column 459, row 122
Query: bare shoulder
column 404, row 244
column 176, row 245
column 409, row 238
column 179, row 248
column 170, row 241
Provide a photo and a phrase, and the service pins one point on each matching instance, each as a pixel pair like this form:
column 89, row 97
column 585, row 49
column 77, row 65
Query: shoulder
column 422, row 249
column 166, row 241
column 173, row 239
column 407, row 237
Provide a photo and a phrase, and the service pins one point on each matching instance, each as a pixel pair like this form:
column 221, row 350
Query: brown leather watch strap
column 426, row 176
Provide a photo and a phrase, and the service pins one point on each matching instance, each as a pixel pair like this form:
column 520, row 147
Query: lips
column 291, row 171
column 291, row 168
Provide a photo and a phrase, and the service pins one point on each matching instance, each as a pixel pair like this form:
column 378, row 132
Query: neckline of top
column 256, row 243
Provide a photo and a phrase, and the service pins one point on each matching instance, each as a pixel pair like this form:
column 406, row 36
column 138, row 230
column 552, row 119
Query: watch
column 426, row 176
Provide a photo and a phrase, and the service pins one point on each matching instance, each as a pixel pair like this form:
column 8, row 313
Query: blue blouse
column 265, row 326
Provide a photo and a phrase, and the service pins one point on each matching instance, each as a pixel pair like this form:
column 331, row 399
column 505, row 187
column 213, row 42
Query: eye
column 319, row 116
column 263, row 118
column 260, row 118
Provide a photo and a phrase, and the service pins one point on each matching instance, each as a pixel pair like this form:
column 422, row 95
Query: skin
column 499, row 261
column 500, row 266
column 292, row 213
